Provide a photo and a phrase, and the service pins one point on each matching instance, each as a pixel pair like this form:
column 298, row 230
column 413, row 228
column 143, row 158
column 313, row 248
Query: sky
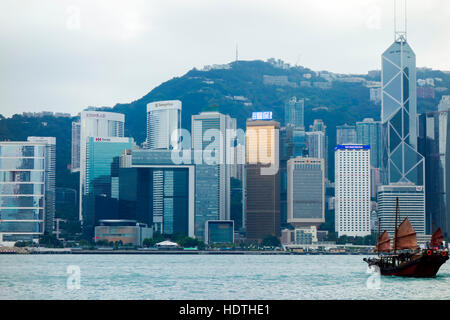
column 62, row 56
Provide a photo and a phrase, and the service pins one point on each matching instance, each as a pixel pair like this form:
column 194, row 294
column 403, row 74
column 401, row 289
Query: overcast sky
column 65, row 55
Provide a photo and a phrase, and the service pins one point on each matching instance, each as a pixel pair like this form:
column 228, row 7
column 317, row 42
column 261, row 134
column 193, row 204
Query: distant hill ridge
column 237, row 89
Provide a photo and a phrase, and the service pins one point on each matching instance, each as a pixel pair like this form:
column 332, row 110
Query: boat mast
column 377, row 247
column 396, row 229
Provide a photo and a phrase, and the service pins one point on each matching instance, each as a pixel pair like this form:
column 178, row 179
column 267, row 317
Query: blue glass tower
column 401, row 163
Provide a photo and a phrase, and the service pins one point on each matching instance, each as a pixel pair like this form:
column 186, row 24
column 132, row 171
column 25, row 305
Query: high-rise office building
column 434, row 145
column 305, row 192
column 163, row 121
column 294, row 113
column 318, row 125
column 444, row 105
column 76, row 147
column 368, row 132
column 293, row 143
column 400, row 160
column 262, row 180
column 375, row 181
column 411, row 200
column 352, row 190
column 50, row 179
column 210, row 144
column 26, row 178
column 93, row 124
column 318, row 143
column 97, row 200
column 345, row 134
column 155, row 191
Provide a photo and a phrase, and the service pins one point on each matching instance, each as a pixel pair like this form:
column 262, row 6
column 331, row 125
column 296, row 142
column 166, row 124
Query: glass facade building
column 155, row 191
column 50, row 179
column 218, row 231
column 76, row 144
column 100, row 158
column 294, row 113
column 24, row 184
column 213, row 167
column 400, row 160
column 98, row 124
column 368, row 132
column 262, row 183
column 434, row 145
column 345, row 134
column 293, row 143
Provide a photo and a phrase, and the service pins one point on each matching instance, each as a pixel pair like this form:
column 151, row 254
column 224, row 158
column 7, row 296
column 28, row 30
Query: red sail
column 437, row 238
column 406, row 236
column 384, row 243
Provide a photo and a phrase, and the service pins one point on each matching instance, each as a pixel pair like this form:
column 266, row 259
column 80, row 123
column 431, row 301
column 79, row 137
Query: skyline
column 54, row 62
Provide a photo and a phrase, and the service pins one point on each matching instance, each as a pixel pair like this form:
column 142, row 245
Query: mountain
column 237, row 89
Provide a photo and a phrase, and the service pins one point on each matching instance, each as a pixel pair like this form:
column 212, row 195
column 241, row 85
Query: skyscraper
column 411, row 200
column 294, row 113
column 76, row 147
column 352, row 190
column 93, row 124
column 262, row 180
column 210, row 144
column 157, row 192
column 318, row 143
column 163, row 120
column 444, row 105
column 50, row 179
column 434, row 145
column 100, row 154
column 305, row 192
column 345, row 134
column 26, row 183
column 400, row 160
column 368, row 132
column 318, row 125
column 293, row 143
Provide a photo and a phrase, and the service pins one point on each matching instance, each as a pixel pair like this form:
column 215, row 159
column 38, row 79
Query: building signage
column 352, row 146
column 262, row 115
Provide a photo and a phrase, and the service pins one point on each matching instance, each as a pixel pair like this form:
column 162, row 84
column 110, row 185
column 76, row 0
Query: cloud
column 65, row 55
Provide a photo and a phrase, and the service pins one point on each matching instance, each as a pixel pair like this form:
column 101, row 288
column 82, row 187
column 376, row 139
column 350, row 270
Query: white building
column 352, row 190
column 411, row 201
column 163, row 120
column 93, row 124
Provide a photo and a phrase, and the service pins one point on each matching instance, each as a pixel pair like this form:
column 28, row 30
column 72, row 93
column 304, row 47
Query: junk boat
column 406, row 259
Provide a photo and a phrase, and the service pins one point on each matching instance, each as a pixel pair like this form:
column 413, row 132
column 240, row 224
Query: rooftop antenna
column 400, row 21
column 237, row 55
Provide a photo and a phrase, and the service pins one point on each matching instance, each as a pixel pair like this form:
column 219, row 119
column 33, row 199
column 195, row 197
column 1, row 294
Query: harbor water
column 230, row 277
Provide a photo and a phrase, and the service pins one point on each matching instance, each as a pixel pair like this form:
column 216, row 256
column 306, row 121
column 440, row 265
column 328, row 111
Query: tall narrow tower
column 401, row 163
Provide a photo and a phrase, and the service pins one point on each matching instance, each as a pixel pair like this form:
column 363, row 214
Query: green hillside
column 200, row 90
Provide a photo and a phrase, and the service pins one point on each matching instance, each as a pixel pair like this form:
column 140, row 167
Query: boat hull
column 424, row 266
